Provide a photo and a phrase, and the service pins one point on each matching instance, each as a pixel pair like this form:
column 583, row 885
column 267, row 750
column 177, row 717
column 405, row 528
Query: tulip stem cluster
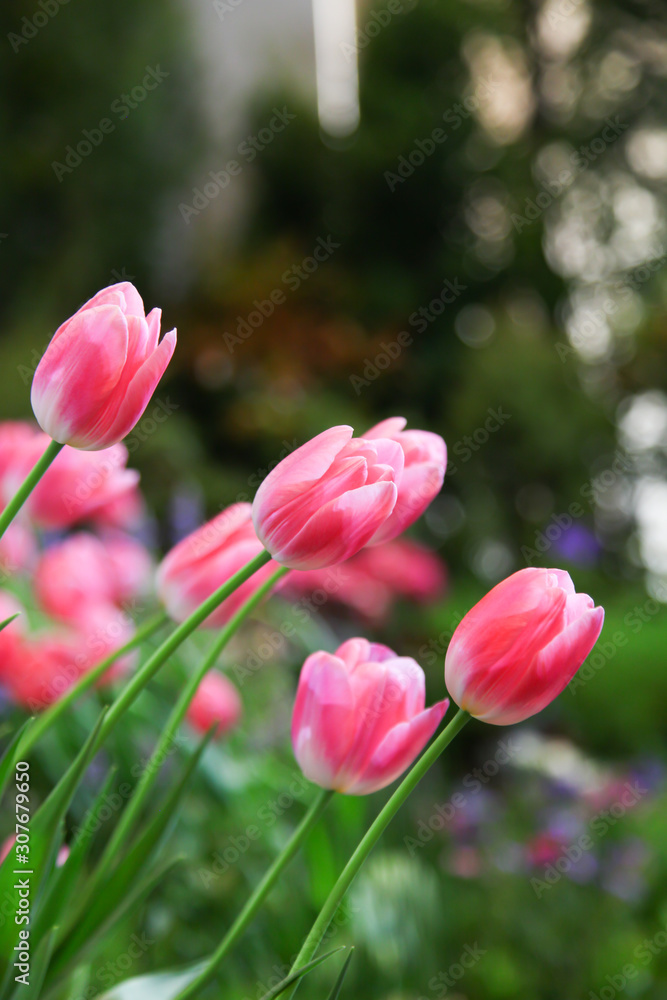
column 178, row 713
column 371, row 837
column 28, row 485
column 255, row 901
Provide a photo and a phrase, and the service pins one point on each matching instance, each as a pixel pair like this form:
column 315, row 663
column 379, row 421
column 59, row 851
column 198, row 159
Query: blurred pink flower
column 100, row 370
column 516, row 650
column 84, row 572
column 205, row 560
column 216, row 700
column 78, row 485
column 370, row 581
column 359, row 719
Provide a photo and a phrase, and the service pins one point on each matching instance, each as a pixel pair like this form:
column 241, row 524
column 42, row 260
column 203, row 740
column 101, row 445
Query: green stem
column 259, row 895
column 161, row 752
column 47, row 718
column 28, row 485
column 373, row 834
column 171, row 644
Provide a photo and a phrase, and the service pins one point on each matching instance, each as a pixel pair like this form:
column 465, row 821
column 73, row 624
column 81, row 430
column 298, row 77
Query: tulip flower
column 216, row 700
column 359, row 719
column 83, row 573
column 425, row 462
column 517, row 649
column 100, row 370
column 205, row 560
column 48, row 665
column 327, row 499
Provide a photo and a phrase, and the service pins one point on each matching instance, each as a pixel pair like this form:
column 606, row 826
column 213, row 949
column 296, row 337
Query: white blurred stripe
column 336, row 65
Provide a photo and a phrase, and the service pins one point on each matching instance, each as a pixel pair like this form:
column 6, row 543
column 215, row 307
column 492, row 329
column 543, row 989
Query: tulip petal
column 340, row 528
column 323, row 723
column 298, row 471
column 78, row 374
column 398, row 750
column 138, row 394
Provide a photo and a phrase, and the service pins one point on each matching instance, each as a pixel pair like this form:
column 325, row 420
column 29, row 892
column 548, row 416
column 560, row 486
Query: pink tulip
column 205, row 560
column 359, row 719
column 78, row 484
column 84, row 572
column 132, row 565
column 100, row 370
column 517, row 649
column 423, row 475
column 327, row 499
column 216, row 700
column 74, row 576
column 47, row 665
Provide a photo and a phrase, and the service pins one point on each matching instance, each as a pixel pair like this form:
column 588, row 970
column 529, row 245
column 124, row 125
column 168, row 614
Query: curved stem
column 371, row 837
column 259, row 895
column 161, row 751
column 28, row 485
column 53, row 712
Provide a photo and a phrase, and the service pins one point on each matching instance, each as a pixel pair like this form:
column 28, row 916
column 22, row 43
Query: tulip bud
column 517, row 649
column 208, row 558
column 327, row 499
column 216, row 700
column 100, row 370
column 359, row 719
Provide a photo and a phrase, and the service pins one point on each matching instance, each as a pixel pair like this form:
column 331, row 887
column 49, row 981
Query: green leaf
column 338, row 985
column 39, row 963
column 61, row 886
column 7, row 761
column 45, row 833
column 294, row 977
column 156, row 986
column 9, row 620
column 107, row 898
column 69, row 955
